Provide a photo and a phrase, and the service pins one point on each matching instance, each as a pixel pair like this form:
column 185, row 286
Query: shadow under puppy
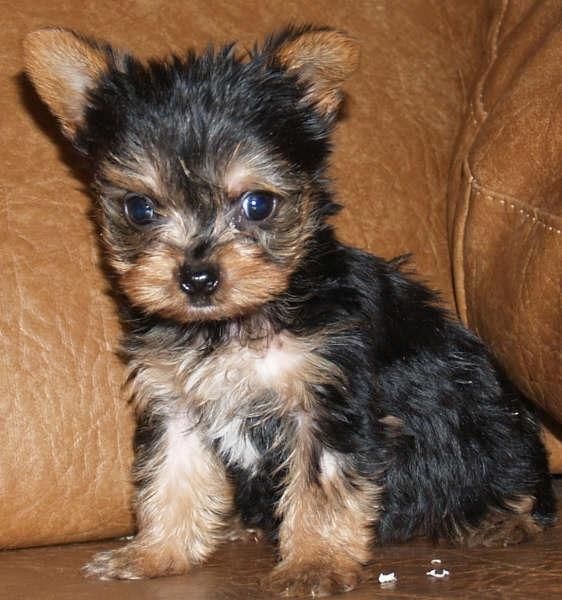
column 281, row 380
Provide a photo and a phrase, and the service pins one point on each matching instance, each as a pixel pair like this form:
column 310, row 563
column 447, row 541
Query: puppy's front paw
column 135, row 561
column 315, row 580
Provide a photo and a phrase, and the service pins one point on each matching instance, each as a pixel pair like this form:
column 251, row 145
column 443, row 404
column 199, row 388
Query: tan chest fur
column 238, row 382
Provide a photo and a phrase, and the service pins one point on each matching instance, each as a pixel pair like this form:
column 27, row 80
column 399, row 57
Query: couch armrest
column 505, row 200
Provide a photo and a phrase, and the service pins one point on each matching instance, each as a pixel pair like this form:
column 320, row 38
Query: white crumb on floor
column 439, row 573
column 387, row 577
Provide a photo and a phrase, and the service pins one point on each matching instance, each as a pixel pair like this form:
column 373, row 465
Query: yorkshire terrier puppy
column 281, row 381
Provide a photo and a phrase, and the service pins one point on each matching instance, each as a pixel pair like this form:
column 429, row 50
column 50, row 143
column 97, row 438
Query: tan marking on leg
column 181, row 513
column 326, row 534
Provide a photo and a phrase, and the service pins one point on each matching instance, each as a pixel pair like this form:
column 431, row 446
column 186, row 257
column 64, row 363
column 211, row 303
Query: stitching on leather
column 512, row 204
column 504, row 199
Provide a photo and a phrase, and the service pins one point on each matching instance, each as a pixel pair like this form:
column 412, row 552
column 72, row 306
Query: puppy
column 281, row 381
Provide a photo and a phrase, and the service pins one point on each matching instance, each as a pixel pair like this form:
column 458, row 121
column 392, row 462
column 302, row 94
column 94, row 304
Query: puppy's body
column 280, row 379
column 370, row 374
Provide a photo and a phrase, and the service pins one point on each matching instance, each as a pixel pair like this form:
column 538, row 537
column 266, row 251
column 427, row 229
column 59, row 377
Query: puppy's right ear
column 322, row 59
column 65, row 67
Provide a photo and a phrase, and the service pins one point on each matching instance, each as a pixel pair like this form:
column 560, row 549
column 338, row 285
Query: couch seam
column 480, row 116
column 511, row 203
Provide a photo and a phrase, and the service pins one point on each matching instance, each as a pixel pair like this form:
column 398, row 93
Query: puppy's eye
column 139, row 210
column 257, row 206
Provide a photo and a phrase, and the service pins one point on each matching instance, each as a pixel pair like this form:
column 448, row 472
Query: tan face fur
column 254, row 260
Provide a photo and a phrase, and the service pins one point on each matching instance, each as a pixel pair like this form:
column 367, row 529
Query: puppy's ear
column 64, row 67
column 321, row 58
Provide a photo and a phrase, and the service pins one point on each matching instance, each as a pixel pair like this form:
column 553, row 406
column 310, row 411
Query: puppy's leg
column 326, row 534
column 183, row 503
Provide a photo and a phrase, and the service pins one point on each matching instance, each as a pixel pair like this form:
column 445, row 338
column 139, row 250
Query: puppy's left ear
column 321, row 58
column 65, row 67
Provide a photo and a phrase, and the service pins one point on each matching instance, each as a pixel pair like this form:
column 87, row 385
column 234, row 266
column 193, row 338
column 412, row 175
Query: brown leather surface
column 531, row 570
column 64, row 460
column 506, row 203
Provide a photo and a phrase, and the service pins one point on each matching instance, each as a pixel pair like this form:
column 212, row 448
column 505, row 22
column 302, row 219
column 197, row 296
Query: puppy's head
column 209, row 169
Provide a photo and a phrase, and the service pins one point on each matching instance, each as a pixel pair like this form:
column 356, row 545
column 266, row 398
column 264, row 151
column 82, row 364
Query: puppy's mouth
column 208, row 309
column 203, row 303
column 203, row 311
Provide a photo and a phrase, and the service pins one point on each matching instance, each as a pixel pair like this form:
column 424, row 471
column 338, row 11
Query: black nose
column 201, row 280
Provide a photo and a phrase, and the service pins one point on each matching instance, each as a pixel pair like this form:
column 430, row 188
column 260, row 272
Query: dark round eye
column 139, row 209
column 257, row 206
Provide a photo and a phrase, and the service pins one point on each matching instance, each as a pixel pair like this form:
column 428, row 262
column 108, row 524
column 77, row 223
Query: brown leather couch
column 450, row 148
